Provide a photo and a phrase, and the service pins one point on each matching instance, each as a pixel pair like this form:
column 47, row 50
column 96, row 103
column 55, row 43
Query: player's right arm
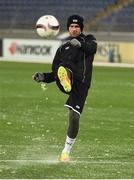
column 44, row 77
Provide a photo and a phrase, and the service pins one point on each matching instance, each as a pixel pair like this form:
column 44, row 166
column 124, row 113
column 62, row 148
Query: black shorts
column 77, row 96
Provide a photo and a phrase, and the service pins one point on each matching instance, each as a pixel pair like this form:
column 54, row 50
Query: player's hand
column 75, row 42
column 38, row 77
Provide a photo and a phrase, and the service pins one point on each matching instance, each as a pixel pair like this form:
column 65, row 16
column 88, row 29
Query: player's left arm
column 89, row 45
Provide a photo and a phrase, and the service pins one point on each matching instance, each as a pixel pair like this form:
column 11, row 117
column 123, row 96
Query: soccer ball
column 47, row 26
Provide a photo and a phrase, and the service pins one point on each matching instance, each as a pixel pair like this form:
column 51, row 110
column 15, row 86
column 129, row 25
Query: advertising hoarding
column 30, row 50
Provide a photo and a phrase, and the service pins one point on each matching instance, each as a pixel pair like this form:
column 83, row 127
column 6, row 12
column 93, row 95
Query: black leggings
column 73, row 124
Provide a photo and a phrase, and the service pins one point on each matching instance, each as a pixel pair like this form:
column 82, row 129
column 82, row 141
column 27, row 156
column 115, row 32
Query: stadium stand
column 115, row 17
column 18, row 14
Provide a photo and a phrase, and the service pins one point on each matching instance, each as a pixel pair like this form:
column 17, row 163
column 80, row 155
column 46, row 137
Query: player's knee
column 74, row 118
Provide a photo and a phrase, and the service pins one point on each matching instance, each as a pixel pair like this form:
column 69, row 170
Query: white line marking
column 107, row 64
column 31, row 161
column 57, row 161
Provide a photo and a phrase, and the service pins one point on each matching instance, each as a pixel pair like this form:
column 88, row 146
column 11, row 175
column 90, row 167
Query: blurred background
column 111, row 22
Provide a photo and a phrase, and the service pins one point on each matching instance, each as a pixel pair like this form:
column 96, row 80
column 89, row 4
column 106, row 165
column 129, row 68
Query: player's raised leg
column 64, row 78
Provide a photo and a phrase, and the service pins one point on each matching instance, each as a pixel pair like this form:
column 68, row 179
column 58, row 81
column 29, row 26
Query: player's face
column 74, row 30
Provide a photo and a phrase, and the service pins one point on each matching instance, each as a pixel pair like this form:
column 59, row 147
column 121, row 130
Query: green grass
column 33, row 126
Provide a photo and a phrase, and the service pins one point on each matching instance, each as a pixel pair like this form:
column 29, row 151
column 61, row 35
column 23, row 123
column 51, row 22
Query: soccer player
column 72, row 71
